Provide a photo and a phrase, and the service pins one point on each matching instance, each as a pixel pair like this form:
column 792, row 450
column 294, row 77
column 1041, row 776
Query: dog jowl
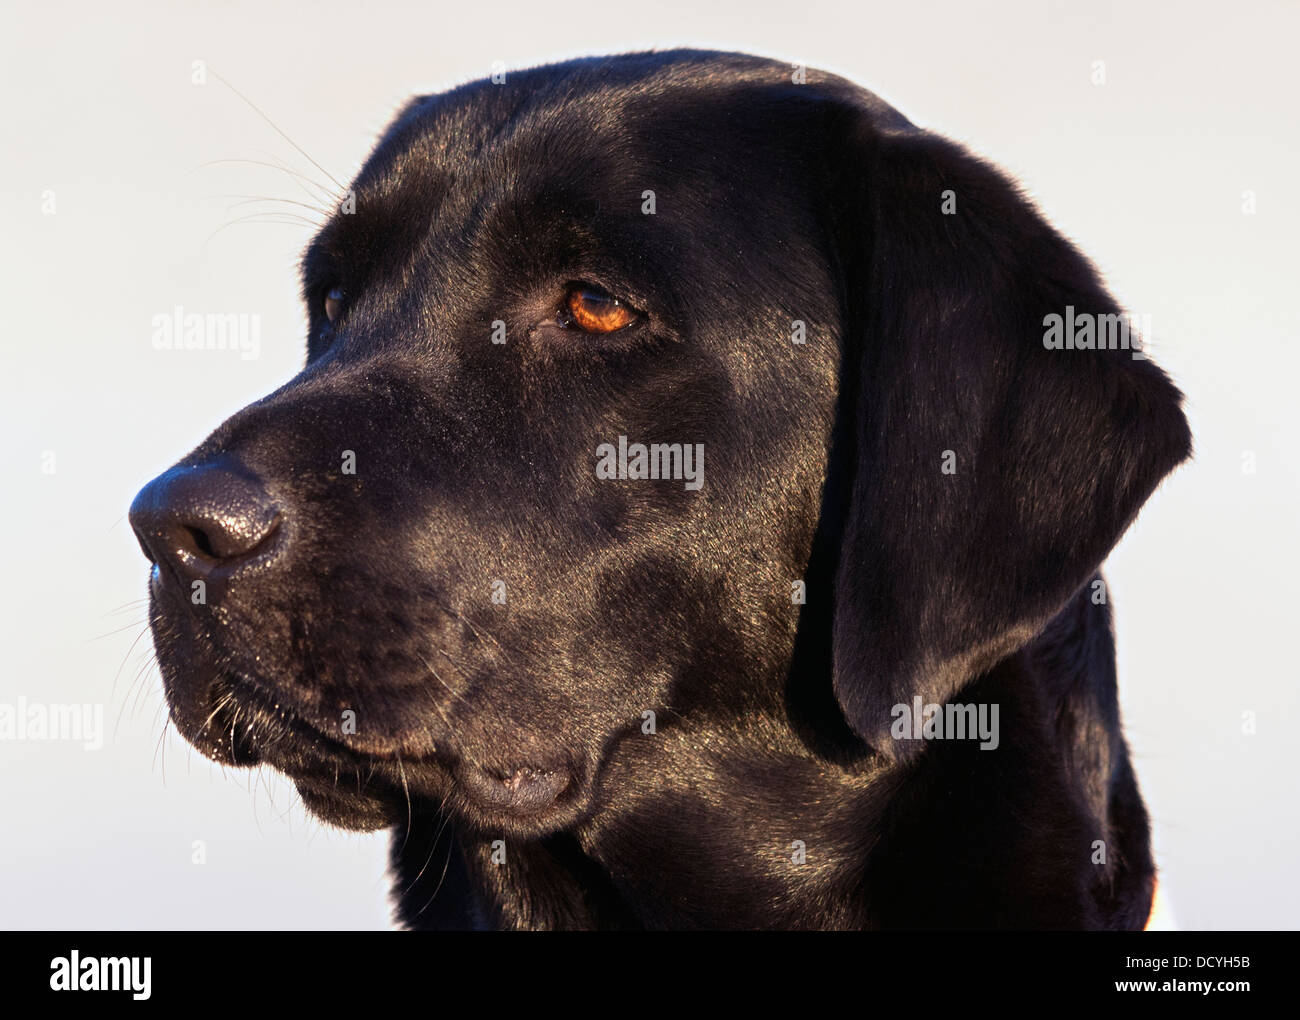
column 426, row 580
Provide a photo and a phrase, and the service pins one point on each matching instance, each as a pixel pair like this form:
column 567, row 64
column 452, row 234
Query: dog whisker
column 276, row 128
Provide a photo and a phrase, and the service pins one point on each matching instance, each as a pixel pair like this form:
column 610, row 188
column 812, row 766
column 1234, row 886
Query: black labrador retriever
column 689, row 516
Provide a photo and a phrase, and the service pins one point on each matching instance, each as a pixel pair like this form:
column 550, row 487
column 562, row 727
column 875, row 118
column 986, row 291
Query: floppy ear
column 993, row 471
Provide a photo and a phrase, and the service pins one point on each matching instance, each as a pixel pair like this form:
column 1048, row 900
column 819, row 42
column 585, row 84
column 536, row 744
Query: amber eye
column 334, row 304
column 594, row 311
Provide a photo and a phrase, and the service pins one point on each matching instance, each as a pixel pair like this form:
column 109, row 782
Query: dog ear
column 994, row 466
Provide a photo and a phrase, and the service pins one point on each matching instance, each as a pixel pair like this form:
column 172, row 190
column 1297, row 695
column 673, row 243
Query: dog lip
column 230, row 745
column 241, row 723
column 280, row 736
column 241, row 742
column 526, row 790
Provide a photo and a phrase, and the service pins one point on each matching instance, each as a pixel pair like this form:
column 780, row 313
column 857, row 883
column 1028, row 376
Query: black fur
column 523, row 723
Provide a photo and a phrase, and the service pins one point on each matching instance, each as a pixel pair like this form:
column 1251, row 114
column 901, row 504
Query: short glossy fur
column 524, row 721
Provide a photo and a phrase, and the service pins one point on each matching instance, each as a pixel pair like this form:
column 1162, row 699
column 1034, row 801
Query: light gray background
column 1146, row 172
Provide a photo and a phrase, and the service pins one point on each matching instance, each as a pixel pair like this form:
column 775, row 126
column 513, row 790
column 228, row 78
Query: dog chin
column 346, row 810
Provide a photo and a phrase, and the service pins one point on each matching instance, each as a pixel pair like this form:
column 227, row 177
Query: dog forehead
column 456, row 159
column 645, row 107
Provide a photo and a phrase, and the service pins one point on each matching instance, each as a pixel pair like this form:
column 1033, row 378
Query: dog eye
column 334, row 304
column 593, row 310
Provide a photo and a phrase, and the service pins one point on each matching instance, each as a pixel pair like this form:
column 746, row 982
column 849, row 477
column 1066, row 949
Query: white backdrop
column 113, row 212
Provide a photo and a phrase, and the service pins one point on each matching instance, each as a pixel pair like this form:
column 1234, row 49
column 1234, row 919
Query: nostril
column 222, row 538
column 200, row 540
column 201, row 518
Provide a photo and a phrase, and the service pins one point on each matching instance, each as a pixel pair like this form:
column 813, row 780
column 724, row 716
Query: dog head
column 594, row 357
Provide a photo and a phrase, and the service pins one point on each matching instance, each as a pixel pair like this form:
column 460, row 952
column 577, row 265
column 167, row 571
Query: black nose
column 204, row 519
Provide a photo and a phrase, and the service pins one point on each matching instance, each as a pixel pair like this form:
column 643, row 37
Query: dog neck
column 821, row 835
